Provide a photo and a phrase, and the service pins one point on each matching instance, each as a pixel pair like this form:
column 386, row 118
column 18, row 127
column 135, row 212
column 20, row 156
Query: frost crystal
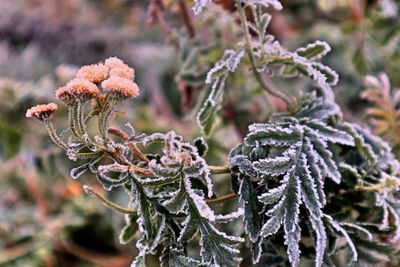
column 199, row 5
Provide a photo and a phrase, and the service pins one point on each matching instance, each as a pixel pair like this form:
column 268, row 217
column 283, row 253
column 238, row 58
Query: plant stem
column 72, row 120
column 219, row 169
column 107, row 202
column 132, row 146
column 258, row 75
column 187, row 19
column 53, row 135
column 91, row 115
column 223, row 198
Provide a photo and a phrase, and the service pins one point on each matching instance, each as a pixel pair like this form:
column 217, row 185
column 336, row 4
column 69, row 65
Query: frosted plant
column 168, row 191
column 312, row 189
column 285, row 165
column 266, row 56
column 293, row 152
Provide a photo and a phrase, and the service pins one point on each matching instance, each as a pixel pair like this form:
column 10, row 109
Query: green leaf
column 174, row 257
column 218, row 248
column 201, row 145
column 315, row 50
column 129, row 231
column 360, row 60
column 296, row 152
column 207, row 115
column 252, row 208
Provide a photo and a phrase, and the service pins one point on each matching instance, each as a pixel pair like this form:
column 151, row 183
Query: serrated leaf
column 206, row 117
column 173, row 257
column 252, row 207
column 274, row 166
column 297, row 151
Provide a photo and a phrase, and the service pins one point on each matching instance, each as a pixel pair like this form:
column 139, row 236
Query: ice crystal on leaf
column 175, row 189
column 288, row 164
column 294, row 153
column 266, row 56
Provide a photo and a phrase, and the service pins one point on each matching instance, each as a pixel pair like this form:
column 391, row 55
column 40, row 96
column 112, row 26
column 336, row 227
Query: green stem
column 220, row 199
column 53, row 135
column 80, row 117
column 252, row 57
column 91, row 115
column 219, row 169
column 105, row 116
column 108, row 202
column 72, row 120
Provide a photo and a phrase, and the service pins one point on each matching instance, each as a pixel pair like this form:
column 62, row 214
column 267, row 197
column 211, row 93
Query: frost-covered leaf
column 244, row 165
column 139, row 261
column 229, row 62
column 78, row 171
column 320, row 239
column 318, row 109
column 75, row 173
column 337, row 227
column 218, row 248
column 109, row 183
column 315, row 50
column 275, row 135
column 252, row 208
column 297, row 151
column 174, row 257
column 207, row 115
column 323, row 76
column 230, row 216
column 201, row 145
column 275, row 166
column 330, row 134
column 129, row 231
column 362, row 146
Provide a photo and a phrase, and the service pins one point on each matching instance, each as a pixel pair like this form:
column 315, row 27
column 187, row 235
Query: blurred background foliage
column 45, row 218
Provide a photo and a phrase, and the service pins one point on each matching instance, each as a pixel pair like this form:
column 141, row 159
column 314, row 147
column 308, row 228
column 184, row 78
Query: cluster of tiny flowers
column 77, row 88
column 120, row 83
column 114, row 75
column 41, row 112
column 95, row 73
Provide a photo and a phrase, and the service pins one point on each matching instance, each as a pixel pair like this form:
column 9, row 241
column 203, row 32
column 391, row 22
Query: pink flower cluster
column 114, row 75
column 41, row 112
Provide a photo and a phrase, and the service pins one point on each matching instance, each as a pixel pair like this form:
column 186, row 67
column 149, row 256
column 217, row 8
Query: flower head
column 123, row 72
column 77, row 89
column 41, row 112
column 114, row 62
column 120, row 87
column 95, row 73
column 65, row 95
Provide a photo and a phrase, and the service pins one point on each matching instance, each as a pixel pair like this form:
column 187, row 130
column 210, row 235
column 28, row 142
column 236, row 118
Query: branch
column 132, row 146
column 219, row 169
column 107, row 202
column 220, row 199
column 259, row 77
column 187, row 18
